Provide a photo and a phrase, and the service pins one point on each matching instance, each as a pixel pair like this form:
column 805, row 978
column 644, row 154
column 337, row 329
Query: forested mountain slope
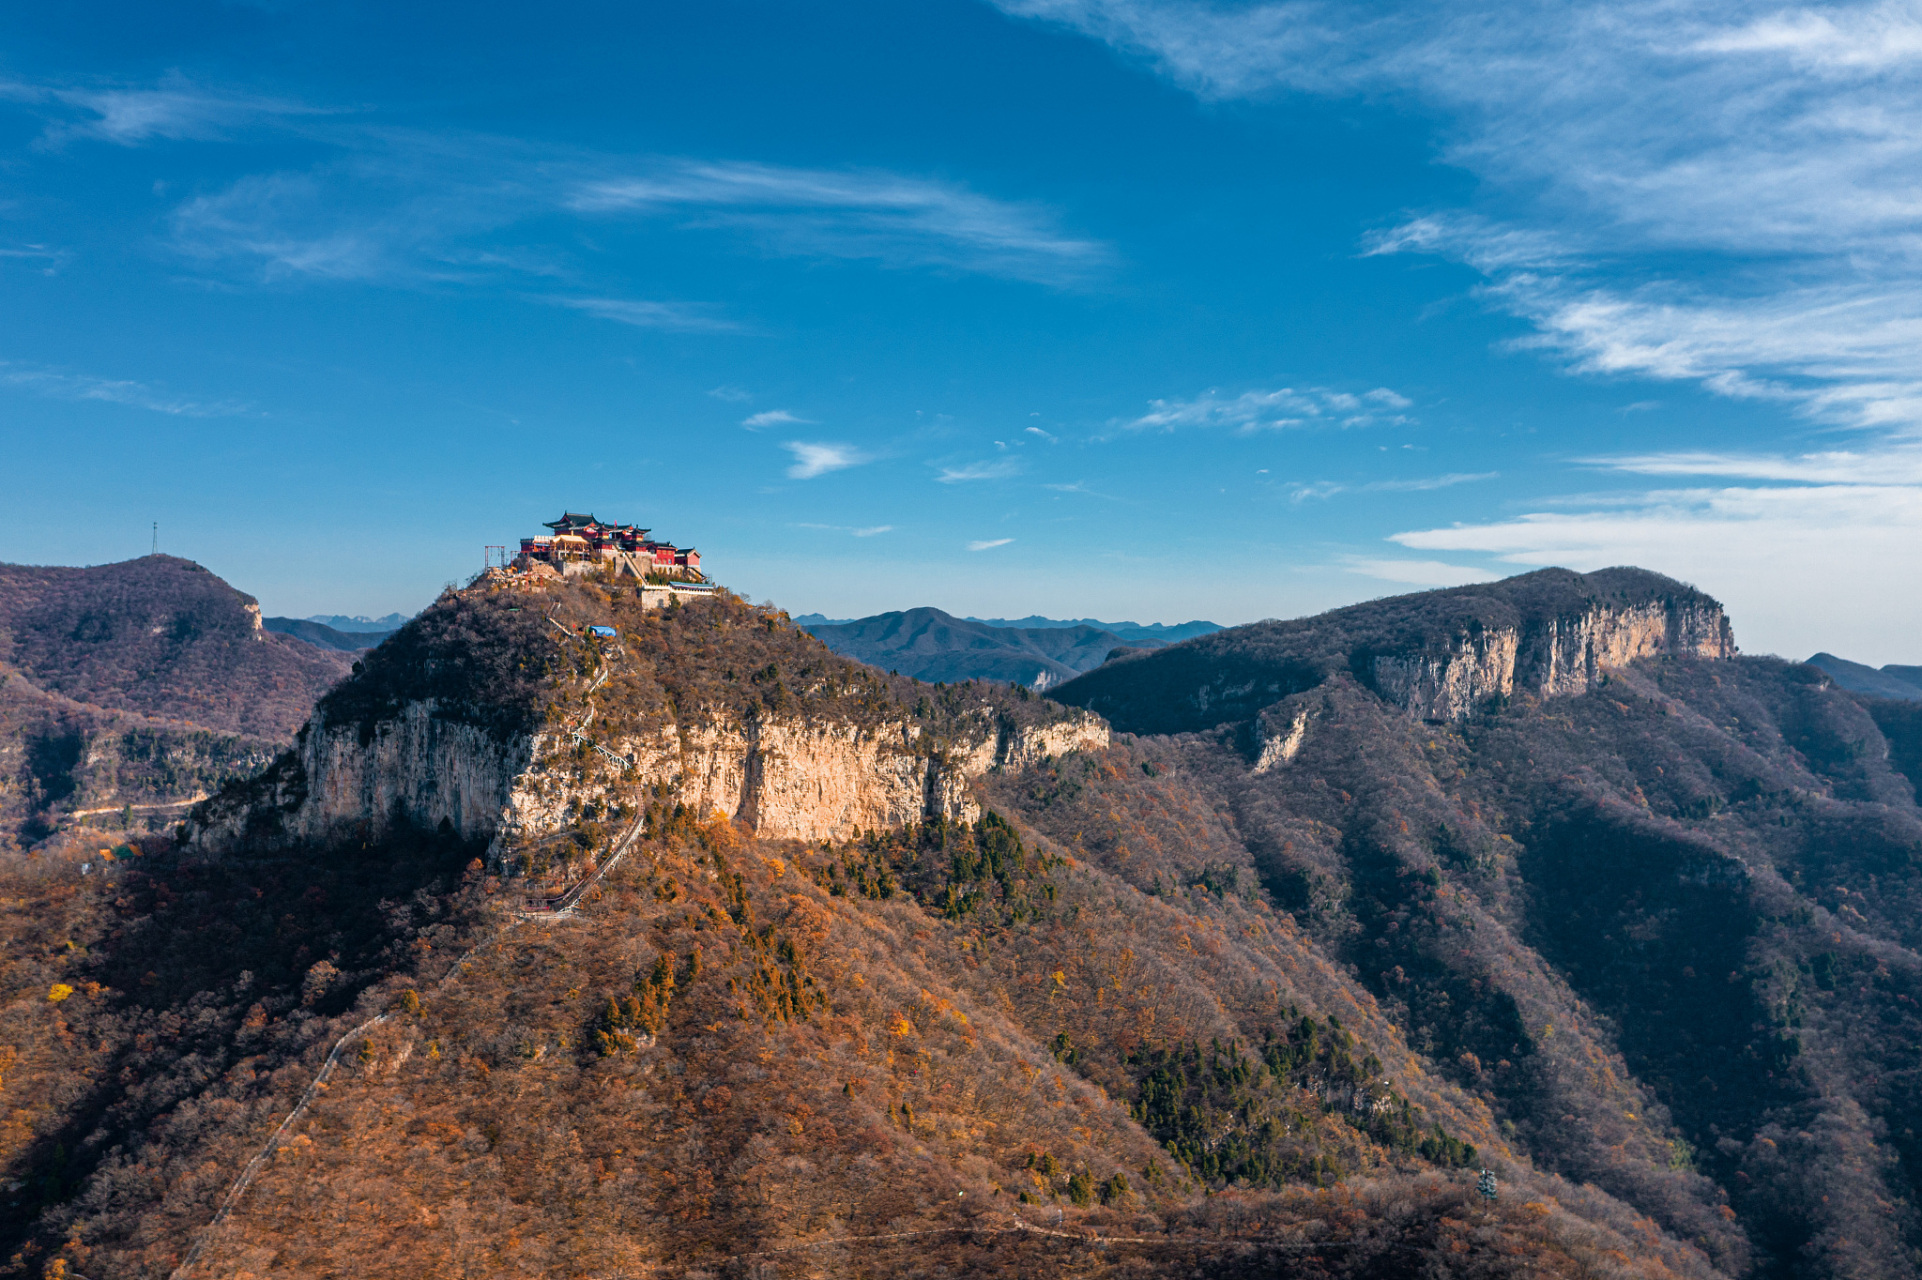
column 1663, row 922
column 160, row 636
column 992, row 977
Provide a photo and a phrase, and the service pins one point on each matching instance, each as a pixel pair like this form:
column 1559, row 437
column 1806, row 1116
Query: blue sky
column 1115, row 308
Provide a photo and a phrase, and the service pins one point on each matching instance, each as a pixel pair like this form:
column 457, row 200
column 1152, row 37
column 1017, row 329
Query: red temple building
column 582, row 542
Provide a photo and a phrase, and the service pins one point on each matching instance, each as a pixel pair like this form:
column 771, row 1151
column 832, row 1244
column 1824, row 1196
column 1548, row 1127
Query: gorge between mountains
column 690, row 948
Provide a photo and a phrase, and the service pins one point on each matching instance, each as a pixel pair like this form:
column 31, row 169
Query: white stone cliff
column 809, row 780
column 1562, row 656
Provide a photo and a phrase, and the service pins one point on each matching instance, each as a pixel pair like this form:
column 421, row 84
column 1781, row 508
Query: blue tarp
column 603, row 631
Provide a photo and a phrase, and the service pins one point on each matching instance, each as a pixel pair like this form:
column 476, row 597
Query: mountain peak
column 1437, row 654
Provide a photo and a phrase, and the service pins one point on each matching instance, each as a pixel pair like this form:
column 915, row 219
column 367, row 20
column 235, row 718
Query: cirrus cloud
column 650, row 315
column 772, row 418
column 813, row 459
column 1777, row 149
column 1791, row 543
column 963, row 473
column 1253, row 411
column 59, row 385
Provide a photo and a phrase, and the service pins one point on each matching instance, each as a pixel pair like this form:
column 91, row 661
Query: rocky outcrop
column 782, row 778
column 1556, row 657
column 792, row 779
column 1278, row 737
column 341, row 783
column 1436, row 654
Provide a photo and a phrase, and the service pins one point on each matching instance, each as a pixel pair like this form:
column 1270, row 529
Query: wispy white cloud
column 1423, row 484
column 48, row 259
column 175, row 109
column 1893, row 465
column 1863, row 38
column 811, row 460
column 853, row 531
column 989, row 544
column 1304, row 491
column 139, row 395
column 1253, row 411
column 998, row 469
column 1419, row 573
column 895, row 219
column 732, row 395
column 1809, row 539
column 407, row 206
column 1777, row 149
column 651, row 315
column 770, row 418
column 317, row 225
column 1848, row 354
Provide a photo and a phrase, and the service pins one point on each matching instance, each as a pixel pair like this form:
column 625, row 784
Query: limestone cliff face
column 337, row 784
column 1555, row 657
column 1279, row 733
column 785, row 778
column 782, row 778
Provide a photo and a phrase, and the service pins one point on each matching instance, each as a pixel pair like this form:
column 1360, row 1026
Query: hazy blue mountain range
column 1138, row 633
column 355, row 622
column 1891, row 681
column 931, row 645
column 327, row 637
column 1133, row 632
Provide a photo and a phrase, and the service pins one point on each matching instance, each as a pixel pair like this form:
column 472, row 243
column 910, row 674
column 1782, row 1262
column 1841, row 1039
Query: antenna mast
column 156, row 537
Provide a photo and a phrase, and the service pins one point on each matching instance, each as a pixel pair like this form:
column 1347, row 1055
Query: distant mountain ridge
column 931, row 645
column 1139, row 633
column 1144, row 634
column 356, row 622
column 326, row 637
column 1891, row 681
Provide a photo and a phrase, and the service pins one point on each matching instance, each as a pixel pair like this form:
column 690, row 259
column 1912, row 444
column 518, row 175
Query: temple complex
column 581, row 543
